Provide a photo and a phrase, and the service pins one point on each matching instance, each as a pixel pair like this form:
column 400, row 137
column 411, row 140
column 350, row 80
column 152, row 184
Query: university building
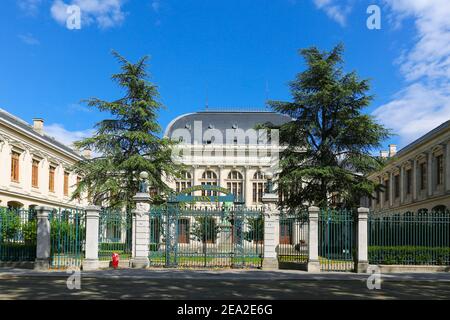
column 35, row 168
column 417, row 178
column 225, row 148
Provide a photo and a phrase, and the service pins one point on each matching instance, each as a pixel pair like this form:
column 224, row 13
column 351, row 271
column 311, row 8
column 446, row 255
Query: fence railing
column 337, row 234
column 17, row 235
column 409, row 238
column 114, row 234
column 293, row 237
column 67, row 238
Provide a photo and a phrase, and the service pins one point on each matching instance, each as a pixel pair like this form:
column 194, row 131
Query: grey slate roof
column 29, row 129
column 226, row 120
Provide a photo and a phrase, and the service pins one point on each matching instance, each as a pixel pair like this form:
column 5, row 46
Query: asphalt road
column 209, row 285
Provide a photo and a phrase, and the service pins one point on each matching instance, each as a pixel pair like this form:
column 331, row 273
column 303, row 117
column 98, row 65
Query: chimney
column 38, row 125
column 392, row 150
column 87, row 153
column 384, row 154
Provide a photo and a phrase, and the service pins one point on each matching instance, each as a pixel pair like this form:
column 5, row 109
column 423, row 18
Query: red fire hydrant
column 115, row 260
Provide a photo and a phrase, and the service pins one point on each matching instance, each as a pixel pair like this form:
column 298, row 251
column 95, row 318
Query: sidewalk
column 260, row 275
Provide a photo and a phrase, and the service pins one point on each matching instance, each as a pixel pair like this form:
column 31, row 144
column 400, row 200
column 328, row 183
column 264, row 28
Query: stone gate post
column 362, row 262
column 92, row 229
column 141, row 226
column 313, row 240
column 42, row 239
column 271, row 231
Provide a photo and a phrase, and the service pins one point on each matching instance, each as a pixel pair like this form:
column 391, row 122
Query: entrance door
column 286, row 232
column 183, row 231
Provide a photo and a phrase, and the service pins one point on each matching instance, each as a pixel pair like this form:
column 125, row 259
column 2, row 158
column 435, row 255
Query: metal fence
column 409, row 238
column 208, row 237
column 293, row 240
column 17, row 235
column 67, row 238
column 114, row 234
column 337, row 240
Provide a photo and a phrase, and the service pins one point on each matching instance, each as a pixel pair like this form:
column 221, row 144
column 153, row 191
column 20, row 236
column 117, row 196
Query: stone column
column 362, row 262
column 42, row 239
column 430, row 173
column 447, row 166
column 271, row 231
column 141, row 231
column 313, row 241
column 92, row 228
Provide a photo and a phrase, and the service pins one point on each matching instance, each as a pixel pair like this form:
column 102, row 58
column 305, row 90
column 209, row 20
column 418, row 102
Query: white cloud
column 105, row 13
column 65, row 136
column 30, row 7
column 156, row 5
column 415, row 110
column 425, row 102
column 335, row 11
column 29, row 39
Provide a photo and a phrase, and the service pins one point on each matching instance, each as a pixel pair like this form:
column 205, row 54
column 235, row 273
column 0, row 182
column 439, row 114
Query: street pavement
column 221, row 284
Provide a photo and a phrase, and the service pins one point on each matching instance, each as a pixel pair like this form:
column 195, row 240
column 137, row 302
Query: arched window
column 235, row 183
column 209, row 178
column 184, row 182
column 259, row 185
column 439, row 209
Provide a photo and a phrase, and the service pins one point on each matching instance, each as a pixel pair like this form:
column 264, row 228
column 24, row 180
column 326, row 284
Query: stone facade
column 418, row 176
column 27, row 155
column 238, row 165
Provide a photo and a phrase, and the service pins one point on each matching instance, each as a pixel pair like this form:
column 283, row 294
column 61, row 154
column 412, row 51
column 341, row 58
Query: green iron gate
column 336, row 240
column 67, row 238
column 209, row 237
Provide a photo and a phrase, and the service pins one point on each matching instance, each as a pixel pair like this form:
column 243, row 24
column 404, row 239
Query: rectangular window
column 35, row 174
column 439, row 169
column 15, row 166
column 66, row 184
column 423, row 176
column 387, row 191
column 408, row 181
column 397, row 186
column 51, row 179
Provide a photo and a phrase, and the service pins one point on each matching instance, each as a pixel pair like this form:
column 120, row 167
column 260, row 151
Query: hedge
column 112, row 246
column 409, row 255
column 17, row 252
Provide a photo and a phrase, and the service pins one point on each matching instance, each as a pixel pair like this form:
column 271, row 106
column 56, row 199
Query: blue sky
column 224, row 50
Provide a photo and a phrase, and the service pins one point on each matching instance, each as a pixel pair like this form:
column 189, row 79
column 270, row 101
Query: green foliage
column 10, row 225
column 127, row 142
column 29, row 230
column 409, row 255
column 330, row 140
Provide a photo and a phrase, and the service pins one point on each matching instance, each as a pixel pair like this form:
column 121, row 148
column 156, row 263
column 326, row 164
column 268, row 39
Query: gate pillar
column 42, row 239
column 91, row 259
column 313, row 241
column 362, row 260
column 141, row 226
column 271, row 231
